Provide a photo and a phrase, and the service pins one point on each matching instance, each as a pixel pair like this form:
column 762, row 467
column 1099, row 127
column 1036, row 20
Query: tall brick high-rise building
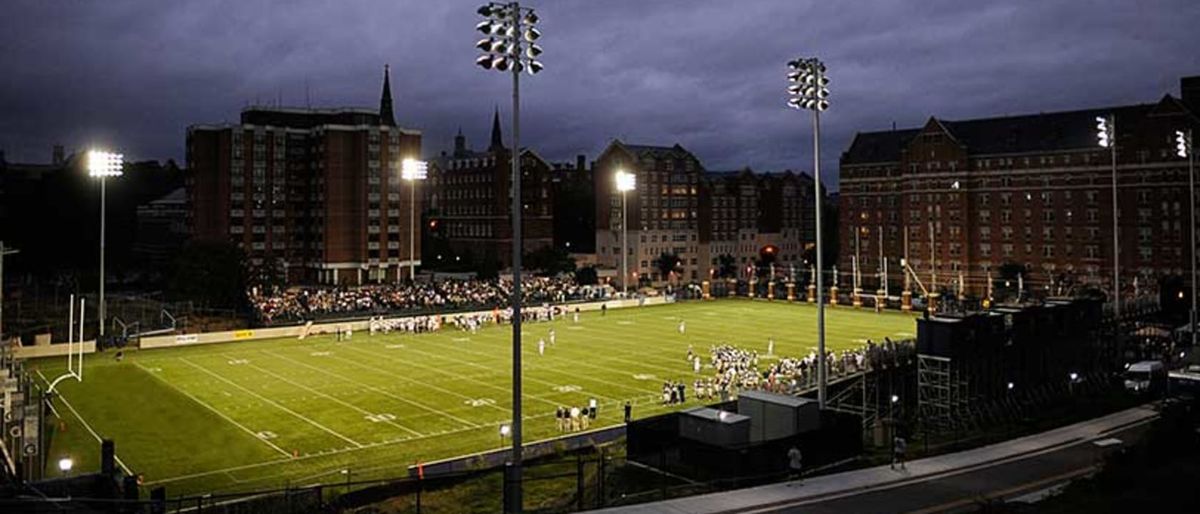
column 312, row 194
column 1032, row 190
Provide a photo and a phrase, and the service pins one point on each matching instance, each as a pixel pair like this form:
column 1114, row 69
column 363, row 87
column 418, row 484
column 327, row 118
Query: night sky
column 709, row 75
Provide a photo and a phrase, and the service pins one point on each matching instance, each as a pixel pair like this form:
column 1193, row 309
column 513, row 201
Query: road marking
column 274, row 403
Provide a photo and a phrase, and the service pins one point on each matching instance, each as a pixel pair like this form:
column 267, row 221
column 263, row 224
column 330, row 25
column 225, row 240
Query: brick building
column 470, row 200
column 757, row 217
column 679, row 208
column 312, row 194
column 1032, row 190
column 663, row 210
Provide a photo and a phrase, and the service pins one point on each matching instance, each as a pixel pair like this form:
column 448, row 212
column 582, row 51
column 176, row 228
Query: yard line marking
column 347, row 404
column 635, row 400
column 468, row 363
column 380, row 391
column 545, row 369
column 221, row 414
column 273, row 402
column 408, row 380
column 84, row 423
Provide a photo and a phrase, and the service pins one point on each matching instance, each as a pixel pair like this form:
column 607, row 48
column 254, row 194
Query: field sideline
column 235, row 416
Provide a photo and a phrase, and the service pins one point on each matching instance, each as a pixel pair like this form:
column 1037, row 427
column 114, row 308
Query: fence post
column 579, row 481
column 420, row 486
column 603, row 469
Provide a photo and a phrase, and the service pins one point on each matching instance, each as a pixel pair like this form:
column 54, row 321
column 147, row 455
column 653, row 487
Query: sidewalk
column 881, row 478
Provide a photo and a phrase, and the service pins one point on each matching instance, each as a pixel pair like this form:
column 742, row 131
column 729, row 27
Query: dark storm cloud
column 708, row 75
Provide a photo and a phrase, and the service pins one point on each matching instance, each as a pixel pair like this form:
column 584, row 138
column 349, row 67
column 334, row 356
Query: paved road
column 964, row 491
column 946, row 483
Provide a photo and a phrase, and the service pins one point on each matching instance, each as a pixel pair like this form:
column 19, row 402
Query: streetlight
column 508, row 46
column 1106, row 137
column 625, row 182
column 102, row 165
column 807, row 90
column 65, row 464
column 412, row 170
column 1184, row 145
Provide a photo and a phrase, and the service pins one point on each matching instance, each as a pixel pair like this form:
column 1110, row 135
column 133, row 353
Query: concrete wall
column 50, row 350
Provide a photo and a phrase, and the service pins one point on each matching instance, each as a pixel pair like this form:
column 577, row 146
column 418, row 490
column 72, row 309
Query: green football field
column 256, row 415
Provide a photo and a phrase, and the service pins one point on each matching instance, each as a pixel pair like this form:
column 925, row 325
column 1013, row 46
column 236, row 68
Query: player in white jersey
column 552, row 337
column 682, row 327
column 541, row 347
column 696, row 364
column 770, row 346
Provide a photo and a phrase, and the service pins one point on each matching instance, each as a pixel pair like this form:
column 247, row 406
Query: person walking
column 899, row 448
column 795, row 464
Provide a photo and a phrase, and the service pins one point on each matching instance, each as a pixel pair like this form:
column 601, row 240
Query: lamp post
column 413, row 170
column 508, row 46
column 4, row 250
column 625, row 182
column 1185, row 147
column 1106, row 137
column 102, row 165
column 807, row 90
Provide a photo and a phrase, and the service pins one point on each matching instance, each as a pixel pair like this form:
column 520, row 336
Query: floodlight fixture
column 626, row 181
column 105, row 164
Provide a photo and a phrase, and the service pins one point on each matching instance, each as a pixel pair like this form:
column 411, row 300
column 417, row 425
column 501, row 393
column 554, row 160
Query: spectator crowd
column 306, row 303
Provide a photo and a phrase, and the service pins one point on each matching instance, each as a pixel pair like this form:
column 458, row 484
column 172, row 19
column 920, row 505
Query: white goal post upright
column 74, row 362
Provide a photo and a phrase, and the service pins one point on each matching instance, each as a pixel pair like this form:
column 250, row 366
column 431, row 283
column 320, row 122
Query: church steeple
column 497, row 140
column 460, row 143
column 386, row 115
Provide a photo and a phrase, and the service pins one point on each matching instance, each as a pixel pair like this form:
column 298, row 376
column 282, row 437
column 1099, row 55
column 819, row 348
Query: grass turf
column 258, row 415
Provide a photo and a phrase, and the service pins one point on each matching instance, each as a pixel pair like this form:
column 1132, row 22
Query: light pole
column 625, row 182
column 1106, row 137
column 413, row 170
column 4, row 250
column 102, row 165
column 807, row 90
column 509, row 47
column 1184, row 147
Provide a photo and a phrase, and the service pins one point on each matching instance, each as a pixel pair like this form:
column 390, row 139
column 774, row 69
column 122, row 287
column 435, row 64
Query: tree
column 587, row 276
column 726, row 266
column 666, row 263
column 550, row 261
column 209, row 273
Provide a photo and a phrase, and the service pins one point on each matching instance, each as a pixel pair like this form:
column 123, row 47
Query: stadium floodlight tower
column 1106, row 137
column 807, row 89
column 412, row 170
column 626, row 182
column 1185, row 147
column 101, row 166
column 510, row 32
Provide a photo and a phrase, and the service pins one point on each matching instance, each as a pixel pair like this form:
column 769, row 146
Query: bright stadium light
column 102, row 165
column 808, row 89
column 65, row 464
column 514, row 30
column 412, row 170
column 1103, row 131
column 625, row 182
